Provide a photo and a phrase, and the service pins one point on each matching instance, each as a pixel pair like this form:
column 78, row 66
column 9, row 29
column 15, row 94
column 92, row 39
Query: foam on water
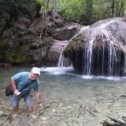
column 113, row 78
column 69, row 71
column 57, row 70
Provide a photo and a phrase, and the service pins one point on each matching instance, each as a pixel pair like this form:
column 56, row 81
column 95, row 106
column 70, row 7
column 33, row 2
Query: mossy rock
column 76, row 43
column 16, row 57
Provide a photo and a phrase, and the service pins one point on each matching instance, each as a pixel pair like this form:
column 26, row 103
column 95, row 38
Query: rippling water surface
column 75, row 99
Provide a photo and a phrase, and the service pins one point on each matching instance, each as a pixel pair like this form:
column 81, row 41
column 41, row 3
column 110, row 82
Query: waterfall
column 98, row 49
column 124, row 48
column 62, row 58
column 112, row 52
column 61, row 61
column 88, row 54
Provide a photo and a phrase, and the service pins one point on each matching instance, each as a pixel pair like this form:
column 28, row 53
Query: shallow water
column 75, row 100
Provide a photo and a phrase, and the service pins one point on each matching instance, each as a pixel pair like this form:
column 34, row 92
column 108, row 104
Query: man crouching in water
column 23, row 83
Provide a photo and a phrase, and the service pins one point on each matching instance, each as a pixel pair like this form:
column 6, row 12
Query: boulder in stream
column 99, row 49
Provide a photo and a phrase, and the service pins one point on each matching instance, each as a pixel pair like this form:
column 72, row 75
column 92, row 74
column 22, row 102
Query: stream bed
column 69, row 99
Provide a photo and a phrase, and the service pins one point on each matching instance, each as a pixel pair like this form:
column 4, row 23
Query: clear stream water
column 75, row 99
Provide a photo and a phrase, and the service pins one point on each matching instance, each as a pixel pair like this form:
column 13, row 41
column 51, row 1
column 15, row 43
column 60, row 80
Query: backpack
column 25, row 90
column 9, row 90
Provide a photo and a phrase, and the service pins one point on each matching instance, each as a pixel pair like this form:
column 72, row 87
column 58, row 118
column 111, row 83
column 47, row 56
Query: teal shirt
column 22, row 79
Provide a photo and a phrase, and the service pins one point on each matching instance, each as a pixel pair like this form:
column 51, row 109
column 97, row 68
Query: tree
column 89, row 10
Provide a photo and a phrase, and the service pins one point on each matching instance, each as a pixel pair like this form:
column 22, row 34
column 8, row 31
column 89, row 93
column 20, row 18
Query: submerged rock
column 115, row 122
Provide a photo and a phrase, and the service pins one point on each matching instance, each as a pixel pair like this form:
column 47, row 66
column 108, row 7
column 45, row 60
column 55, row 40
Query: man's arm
column 13, row 82
column 39, row 99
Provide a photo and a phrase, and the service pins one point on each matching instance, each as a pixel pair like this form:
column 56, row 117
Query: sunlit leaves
column 78, row 10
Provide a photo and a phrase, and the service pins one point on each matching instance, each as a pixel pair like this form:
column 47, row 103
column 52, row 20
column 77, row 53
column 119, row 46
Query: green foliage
column 3, row 46
column 77, row 10
column 72, row 9
column 46, row 5
column 15, row 57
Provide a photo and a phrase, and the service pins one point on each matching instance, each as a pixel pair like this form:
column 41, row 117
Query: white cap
column 36, row 70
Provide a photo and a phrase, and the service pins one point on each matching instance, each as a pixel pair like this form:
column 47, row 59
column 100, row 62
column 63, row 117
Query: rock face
column 15, row 35
column 28, row 38
column 99, row 49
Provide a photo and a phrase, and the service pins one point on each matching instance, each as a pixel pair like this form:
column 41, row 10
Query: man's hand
column 16, row 92
column 41, row 105
column 41, row 108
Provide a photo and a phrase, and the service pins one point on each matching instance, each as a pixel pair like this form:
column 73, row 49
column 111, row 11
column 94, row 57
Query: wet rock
column 99, row 49
column 115, row 122
column 1, row 113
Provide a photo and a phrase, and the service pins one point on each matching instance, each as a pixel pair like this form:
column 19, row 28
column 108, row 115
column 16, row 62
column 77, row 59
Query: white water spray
column 112, row 53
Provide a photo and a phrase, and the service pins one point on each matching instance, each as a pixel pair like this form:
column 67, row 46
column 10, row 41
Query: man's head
column 34, row 73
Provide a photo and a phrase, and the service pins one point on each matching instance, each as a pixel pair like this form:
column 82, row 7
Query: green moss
column 75, row 43
column 15, row 57
column 3, row 47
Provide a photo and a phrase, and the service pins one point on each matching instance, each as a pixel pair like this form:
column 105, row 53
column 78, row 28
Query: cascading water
column 88, row 54
column 103, row 51
column 112, row 54
column 61, row 61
